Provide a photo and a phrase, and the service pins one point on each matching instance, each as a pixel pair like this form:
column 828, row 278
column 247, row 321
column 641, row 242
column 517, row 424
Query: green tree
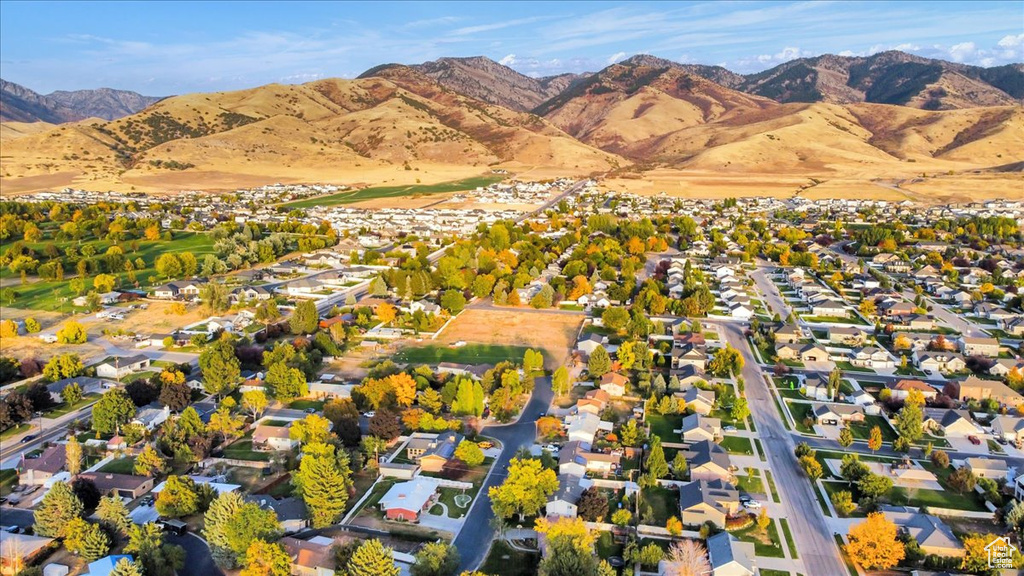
column 71, row 394
column 962, row 480
column 62, row 366
column 600, row 363
column 560, row 381
column 126, row 567
column 811, row 467
column 525, row 489
column 87, row 540
column 470, row 453
column 266, row 559
column 114, row 409
column 71, row 333
column 657, row 467
column 149, row 462
column 310, row 429
column 286, row 383
column 372, row 559
column 221, row 368
column 304, row 318
column 178, row 498
column 169, row 266
column 845, row 437
column 146, row 544
column 113, row 514
column 615, row 318
column 910, row 420
column 453, row 301
column 323, row 481
column 254, row 402
column 842, row 501
column 726, row 361
column 430, row 400
column 874, row 485
column 59, row 507
column 232, row 525
column 740, row 410
column 569, row 548
column 436, row 559
column 679, row 465
column 268, row 312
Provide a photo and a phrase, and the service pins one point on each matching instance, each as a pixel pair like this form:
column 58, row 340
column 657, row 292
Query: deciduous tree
column 874, row 543
column 436, row 559
column 221, row 368
column 524, row 491
column 266, row 559
column 71, row 333
column 114, row 409
column 470, row 453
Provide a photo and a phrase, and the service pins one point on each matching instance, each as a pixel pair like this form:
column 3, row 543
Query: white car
column 752, row 505
column 370, row 414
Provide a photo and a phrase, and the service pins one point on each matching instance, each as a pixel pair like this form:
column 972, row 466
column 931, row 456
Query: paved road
column 814, row 540
column 476, row 535
column 198, row 561
column 16, row 517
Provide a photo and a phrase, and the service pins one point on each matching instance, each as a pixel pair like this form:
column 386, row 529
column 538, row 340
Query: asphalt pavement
column 813, row 538
column 474, row 540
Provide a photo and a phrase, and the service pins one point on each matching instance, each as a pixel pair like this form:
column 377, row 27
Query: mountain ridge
column 21, row 104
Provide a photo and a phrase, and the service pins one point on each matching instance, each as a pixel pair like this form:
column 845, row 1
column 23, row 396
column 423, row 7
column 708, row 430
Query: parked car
column 13, row 529
column 310, row 410
column 729, row 428
column 370, row 414
column 974, row 440
column 752, row 504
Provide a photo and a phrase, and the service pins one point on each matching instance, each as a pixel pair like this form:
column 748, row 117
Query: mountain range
column 20, row 104
column 819, row 120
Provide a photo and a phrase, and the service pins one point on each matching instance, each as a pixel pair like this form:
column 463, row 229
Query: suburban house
column 118, row 367
column 433, row 451
column 590, row 342
column 829, row 308
column 563, row 501
column 901, row 389
column 1009, row 428
column 20, row 550
column 614, row 384
column 972, row 346
column 689, row 355
column 406, row 500
column 36, row 471
column 872, row 357
column 991, row 468
column 836, row 414
column 939, row 361
column 291, row 511
column 974, row 388
column 729, row 556
column 576, row 459
column 151, row 416
column 583, row 427
column 313, row 557
column 801, row 352
column 931, row 533
column 789, row 334
column 178, row 289
column 268, row 438
column 709, row 461
column 105, row 566
column 846, row 335
column 121, row 485
column 697, row 428
column 700, row 401
column 707, row 501
column 955, row 423
column 87, row 384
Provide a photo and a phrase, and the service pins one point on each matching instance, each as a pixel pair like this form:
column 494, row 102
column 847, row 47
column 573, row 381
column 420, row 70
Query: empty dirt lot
column 555, row 333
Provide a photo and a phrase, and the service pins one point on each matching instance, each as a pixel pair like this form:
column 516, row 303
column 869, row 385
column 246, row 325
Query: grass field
column 663, row 426
column 664, row 503
column 119, row 466
column 468, row 354
column 503, row 560
column 772, row 549
column 353, row 196
column 789, row 538
column 737, row 445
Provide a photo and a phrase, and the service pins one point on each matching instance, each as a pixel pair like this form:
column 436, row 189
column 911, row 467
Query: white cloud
column 616, row 57
column 963, row 51
column 1012, row 41
column 508, row 60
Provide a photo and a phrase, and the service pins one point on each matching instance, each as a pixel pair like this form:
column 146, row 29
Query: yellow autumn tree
column 404, row 387
column 580, row 286
column 874, row 543
column 385, row 312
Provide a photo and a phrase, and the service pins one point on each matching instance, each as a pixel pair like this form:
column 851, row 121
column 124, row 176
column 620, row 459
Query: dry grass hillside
column 371, row 129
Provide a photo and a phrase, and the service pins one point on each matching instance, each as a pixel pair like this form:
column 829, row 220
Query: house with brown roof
column 314, row 557
column 976, row 346
column 709, row 461
column 268, row 438
column 121, row 485
column 614, row 384
column 708, row 501
column 36, row 471
column 974, row 388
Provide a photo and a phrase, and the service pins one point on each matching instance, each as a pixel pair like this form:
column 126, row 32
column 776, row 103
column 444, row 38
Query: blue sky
column 163, row 48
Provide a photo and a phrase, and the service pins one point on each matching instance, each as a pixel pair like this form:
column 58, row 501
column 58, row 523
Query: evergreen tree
column 59, row 507
column 113, row 514
column 436, row 559
column 560, row 381
column 600, row 363
column 87, row 540
column 323, row 480
column 378, row 288
column 220, row 367
column 146, row 544
column 304, row 318
column 126, row 567
column 372, row 559
column 657, row 467
column 267, row 559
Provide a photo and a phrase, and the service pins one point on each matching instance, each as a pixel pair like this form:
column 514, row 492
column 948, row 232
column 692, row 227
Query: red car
column 974, row 440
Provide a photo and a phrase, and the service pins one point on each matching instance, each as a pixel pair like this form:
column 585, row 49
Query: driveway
column 476, row 535
column 962, row 444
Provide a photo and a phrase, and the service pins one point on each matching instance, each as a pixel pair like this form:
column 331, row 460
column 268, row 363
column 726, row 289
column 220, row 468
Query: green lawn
column 862, row 430
column 664, row 503
column 737, row 445
column 63, row 408
column 800, row 411
column 351, row 196
column 833, row 319
column 789, row 538
column 242, row 450
column 317, row 405
column 846, row 559
column 663, row 426
column 771, row 485
column 750, row 482
column 119, row 466
column 15, row 430
column 448, row 498
column 8, row 479
column 47, row 295
column 754, row 534
column 503, row 560
column 468, row 354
